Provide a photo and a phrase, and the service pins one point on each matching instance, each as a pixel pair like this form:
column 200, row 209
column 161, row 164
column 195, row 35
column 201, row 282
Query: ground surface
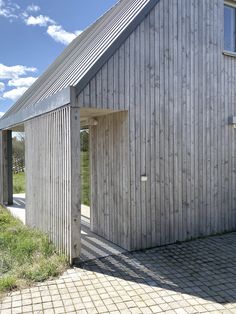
column 85, row 177
column 19, row 183
column 194, row 277
column 26, row 255
column 18, row 207
column 92, row 245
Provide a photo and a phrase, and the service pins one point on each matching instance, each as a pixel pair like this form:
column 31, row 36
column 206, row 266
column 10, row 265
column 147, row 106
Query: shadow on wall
column 205, row 268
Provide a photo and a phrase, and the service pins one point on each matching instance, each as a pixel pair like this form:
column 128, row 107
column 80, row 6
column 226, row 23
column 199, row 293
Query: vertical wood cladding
column 50, row 201
column 179, row 90
column 110, row 216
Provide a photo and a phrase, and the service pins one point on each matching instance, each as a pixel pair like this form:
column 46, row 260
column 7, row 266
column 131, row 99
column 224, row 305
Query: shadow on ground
column 205, row 268
column 94, row 246
column 19, row 202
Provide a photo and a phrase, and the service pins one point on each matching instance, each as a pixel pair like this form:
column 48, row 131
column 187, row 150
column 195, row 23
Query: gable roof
column 85, row 55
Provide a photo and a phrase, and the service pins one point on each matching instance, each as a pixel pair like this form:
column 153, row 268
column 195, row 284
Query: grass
column 26, row 255
column 19, row 183
column 85, row 178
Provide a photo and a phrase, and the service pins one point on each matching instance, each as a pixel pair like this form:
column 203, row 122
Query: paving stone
column 38, row 307
column 47, row 305
column 59, row 310
column 57, row 303
column 191, row 278
column 135, row 311
column 17, row 303
column 6, row 306
column 7, row 311
column 101, row 309
column 16, row 310
column 27, row 308
column 156, row 309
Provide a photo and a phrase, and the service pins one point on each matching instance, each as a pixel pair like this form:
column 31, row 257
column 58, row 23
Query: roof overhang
column 58, row 100
column 79, row 63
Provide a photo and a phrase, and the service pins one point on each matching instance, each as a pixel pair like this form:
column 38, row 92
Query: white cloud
column 16, row 6
column 2, row 8
column 24, row 16
column 13, row 72
column 7, row 10
column 12, row 10
column 15, row 93
column 22, row 82
column 1, row 114
column 77, row 33
column 19, row 84
column 33, row 8
column 40, row 20
column 2, row 87
column 60, row 35
column 13, row 75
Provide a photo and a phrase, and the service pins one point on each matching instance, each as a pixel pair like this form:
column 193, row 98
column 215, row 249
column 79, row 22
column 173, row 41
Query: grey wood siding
column 1, row 168
column 110, row 216
column 179, row 90
column 52, row 204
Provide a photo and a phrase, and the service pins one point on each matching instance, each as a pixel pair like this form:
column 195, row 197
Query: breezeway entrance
column 53, row 187
column 108, row 147
column 92, row 245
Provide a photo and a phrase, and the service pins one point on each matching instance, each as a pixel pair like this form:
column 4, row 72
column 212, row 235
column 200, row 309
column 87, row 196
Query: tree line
column 18, row 149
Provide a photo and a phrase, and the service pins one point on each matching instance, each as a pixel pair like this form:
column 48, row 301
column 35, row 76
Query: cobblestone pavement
column 193, row 277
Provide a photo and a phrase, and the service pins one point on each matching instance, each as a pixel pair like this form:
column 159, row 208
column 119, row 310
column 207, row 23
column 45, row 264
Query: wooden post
column 9, row 169
column 75, row 178
column 6, row 179
column 1, row 167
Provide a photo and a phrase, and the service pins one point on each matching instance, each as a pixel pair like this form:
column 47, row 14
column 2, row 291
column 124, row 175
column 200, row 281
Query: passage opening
column 85, row 177
column 18, row 162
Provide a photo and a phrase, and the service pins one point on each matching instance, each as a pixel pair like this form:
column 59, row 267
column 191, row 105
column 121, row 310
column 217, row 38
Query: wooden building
column 155, row 82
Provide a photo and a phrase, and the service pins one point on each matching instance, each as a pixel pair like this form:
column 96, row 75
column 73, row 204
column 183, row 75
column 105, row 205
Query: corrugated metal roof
column 82, row 54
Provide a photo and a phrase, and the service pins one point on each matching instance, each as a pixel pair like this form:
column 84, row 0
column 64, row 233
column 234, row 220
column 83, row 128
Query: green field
column 26, row 255
column 85, row 179
column 19, row 183
column 19, row 180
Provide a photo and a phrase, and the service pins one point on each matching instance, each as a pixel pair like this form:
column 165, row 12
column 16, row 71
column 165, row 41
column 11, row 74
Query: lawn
column 26, row 255
column 19, row 183
column 85, row 179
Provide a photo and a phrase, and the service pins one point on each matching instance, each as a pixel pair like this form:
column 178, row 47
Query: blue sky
column 33, row 34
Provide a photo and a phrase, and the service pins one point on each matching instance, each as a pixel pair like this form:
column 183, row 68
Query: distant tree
column 18, row 152
column 84, row 140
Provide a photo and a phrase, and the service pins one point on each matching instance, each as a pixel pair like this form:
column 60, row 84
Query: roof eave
column 56, row 101
column 63, row 97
